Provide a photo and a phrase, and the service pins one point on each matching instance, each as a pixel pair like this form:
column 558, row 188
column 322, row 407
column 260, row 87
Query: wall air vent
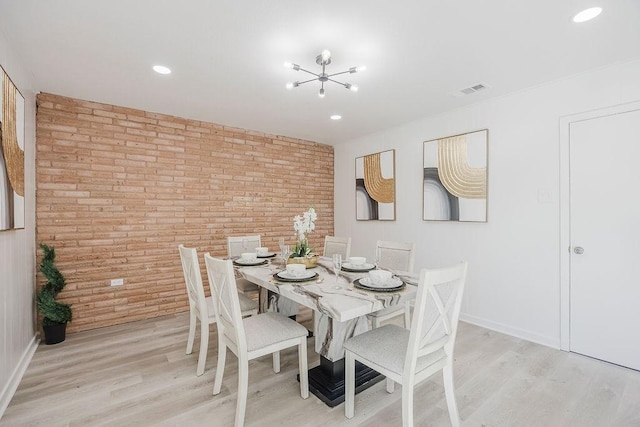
column 469, row 90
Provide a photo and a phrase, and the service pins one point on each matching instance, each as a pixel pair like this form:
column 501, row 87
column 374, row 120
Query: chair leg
column 447, row 377
column 222, row 356
column 204, row 346
column 276, row 361
column 407, row 315
column 243, row 388
column 302, row 367
column 349, row 384
column 192, row 331
column 391, row 385
column 407, row 404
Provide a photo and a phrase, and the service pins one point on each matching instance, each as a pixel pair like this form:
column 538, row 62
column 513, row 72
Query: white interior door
column 605, row 238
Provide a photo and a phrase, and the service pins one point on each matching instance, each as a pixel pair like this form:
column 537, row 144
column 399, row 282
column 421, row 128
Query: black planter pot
column 54, row 333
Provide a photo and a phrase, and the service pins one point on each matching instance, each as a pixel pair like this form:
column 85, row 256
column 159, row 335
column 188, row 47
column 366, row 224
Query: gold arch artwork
column 12, row 187
column 455, row 178
column 375, row 186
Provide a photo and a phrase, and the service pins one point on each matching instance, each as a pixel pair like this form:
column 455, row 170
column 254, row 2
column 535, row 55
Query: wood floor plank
column 138, row 374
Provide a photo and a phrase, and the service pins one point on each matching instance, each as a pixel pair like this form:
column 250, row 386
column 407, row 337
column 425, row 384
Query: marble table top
column 338, row 299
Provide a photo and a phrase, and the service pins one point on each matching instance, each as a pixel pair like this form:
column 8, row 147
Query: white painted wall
column 17, row 254
column 514, row 270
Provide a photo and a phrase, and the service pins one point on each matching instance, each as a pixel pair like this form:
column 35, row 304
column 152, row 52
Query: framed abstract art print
column 455, row 178
column 12, row 120
column 376, row 187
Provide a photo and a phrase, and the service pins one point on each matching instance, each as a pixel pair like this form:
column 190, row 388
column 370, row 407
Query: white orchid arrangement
column 303, row 225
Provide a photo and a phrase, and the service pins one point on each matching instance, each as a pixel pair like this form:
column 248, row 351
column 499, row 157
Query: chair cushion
column 244, row 285
column 269, row 328
column 387, row 347
column 246, row 305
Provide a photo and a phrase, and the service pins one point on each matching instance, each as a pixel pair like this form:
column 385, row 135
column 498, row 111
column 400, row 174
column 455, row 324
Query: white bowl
column 249, row 256
column 379, row 277
column 357, row 260
column 296, row 269
column 262, row 250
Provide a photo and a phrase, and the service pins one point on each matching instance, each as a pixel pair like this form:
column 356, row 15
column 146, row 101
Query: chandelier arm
column 337, row 74
column 335, row 81
column 307, row 81
column 309, row 72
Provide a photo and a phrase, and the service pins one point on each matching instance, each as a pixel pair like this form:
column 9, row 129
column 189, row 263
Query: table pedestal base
column 326, row 381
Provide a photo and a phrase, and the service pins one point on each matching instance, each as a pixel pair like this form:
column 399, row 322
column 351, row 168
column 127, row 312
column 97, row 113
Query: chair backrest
column 225, row 300
column 193, row 280
column 396, row 255
column 435, row 318
column 236, row 245
column 337, row 245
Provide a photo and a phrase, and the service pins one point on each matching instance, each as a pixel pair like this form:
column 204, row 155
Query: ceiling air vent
column 471, row 89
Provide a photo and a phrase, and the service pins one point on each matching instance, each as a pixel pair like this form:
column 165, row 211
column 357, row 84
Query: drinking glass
column 337, row 265
column 285, row 252
column 377, row 259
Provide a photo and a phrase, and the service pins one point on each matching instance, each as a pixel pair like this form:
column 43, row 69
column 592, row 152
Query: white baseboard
column 12, row 385
column 553, row 342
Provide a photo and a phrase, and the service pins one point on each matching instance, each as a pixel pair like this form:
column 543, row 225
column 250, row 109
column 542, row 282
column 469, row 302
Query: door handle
column 578, row 250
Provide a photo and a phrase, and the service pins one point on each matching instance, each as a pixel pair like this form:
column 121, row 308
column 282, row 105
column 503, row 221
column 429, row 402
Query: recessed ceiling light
column 161, row 69
column 587, row 14
column 336, row 117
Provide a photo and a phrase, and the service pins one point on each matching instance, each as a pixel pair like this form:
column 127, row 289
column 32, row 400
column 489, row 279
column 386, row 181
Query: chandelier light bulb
column 361, row 68
column 326, row 55
column 289, row 85
column 288, row 65
column 353, row 88
column 321, row 93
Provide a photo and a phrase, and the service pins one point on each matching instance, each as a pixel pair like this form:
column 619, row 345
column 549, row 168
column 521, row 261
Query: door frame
column 565, row 210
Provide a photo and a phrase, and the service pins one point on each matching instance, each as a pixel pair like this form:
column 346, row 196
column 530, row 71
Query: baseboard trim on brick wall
column 14, row 381
column 509, row 330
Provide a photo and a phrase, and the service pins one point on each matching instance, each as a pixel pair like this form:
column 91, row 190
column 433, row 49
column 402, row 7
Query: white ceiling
column 227, row 56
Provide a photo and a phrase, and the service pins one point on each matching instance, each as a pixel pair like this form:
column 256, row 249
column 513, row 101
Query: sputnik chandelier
column 323, row 60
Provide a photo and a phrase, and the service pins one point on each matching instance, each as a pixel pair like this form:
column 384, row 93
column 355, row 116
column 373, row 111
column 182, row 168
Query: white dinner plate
column 347, row 266
column 392, row 283
column 288, row 277
column 248, row 262
column 268, row 255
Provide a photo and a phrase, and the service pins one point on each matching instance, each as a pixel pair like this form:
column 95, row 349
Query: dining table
column 340, row 304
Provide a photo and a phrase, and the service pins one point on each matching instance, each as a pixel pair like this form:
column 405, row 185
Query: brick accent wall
column 118, row 189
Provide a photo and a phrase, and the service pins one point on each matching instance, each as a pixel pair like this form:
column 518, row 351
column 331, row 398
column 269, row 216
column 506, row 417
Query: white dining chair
column 201, row 307
column 252, row 337
column 337, row 245
column 411, row 356
column 396, row 256
column 236, row 245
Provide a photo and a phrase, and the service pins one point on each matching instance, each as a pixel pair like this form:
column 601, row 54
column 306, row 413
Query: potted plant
column 303, row 225
column 55, row 315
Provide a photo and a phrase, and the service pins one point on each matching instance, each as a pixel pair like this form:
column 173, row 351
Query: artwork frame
column 12, row 144
column 455, row 178
column 375, row 179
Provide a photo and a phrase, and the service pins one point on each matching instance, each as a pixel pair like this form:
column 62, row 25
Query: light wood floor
column 137, row 374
